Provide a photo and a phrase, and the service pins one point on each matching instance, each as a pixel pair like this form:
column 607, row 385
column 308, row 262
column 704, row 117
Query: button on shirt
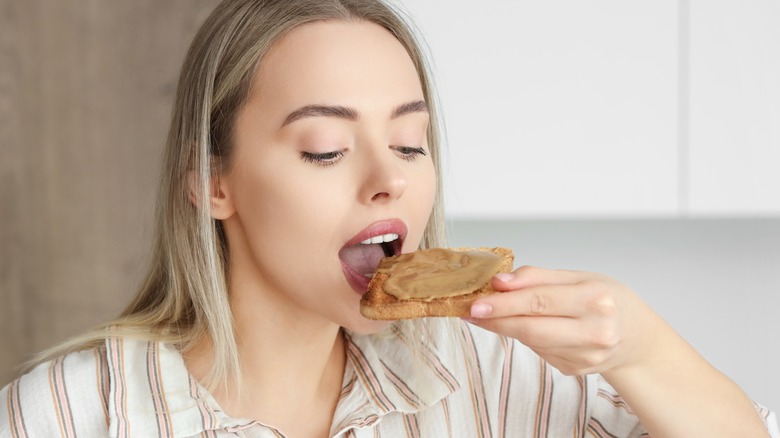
column 470, row 383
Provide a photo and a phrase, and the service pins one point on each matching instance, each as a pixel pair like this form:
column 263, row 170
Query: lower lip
column 359, row 283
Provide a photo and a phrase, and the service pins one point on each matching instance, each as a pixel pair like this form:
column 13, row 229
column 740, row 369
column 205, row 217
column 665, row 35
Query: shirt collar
column 151, row 392
column 392, row 372
column 151, row 389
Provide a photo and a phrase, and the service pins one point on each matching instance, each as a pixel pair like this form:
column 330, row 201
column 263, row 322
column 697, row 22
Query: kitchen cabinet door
column 557, row 109
column 735, row 108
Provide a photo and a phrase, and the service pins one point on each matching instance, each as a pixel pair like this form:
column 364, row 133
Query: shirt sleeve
column 26, row 407
column 770, row 420
column 610, row 414
column 57, row 398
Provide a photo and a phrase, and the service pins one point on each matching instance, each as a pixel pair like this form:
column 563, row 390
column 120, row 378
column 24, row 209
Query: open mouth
column 361, row 255
column 390, row 243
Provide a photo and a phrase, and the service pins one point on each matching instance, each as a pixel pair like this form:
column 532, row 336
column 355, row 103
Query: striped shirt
column 472, row 383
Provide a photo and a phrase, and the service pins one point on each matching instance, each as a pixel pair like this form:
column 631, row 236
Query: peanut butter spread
column 438, row 273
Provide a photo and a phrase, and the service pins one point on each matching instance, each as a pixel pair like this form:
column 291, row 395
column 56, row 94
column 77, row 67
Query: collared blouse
column 472, row 383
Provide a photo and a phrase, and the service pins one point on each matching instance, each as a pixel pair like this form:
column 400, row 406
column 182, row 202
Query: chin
column 363, row 326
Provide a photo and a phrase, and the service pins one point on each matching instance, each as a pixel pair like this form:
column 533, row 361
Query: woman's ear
column 221, row 204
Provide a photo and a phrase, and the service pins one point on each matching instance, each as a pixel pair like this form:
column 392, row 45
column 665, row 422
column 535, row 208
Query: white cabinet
column 735, row 107
column 573, row 109
column 557, row 108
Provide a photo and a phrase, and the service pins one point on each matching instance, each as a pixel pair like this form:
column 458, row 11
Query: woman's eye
column 409, row 153
column 324, row 159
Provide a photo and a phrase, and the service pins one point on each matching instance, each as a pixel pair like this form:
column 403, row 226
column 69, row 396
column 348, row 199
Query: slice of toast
column 377, row 304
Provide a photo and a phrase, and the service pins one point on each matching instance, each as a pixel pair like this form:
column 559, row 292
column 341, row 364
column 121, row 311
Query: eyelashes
column 325, row 159
column 409, row 153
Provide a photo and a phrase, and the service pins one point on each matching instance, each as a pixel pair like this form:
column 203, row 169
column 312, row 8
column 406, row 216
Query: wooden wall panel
column 85, row 93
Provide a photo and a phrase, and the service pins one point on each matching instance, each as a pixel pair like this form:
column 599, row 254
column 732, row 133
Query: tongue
column 363, row 259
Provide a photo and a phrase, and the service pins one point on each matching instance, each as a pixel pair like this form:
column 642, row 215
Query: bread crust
column 379, row 305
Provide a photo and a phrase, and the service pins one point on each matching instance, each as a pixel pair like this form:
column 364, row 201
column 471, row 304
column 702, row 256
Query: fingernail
column 505, row 277
column 481, row 310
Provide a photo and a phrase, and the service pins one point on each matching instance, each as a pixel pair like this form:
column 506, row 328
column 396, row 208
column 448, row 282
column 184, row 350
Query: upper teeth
column 380, row 239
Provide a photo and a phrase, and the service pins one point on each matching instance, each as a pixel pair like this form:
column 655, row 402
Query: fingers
column 529, row 276
column 557, row 300
column 578, row 321
column 566, row 343
column 588, row 297
column 555, row 332
column 536, row 333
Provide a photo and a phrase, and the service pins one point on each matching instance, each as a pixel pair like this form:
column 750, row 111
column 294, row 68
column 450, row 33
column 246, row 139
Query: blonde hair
column 184, row 296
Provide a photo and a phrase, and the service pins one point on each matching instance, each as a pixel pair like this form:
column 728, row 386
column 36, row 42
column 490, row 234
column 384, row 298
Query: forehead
column 356, row 63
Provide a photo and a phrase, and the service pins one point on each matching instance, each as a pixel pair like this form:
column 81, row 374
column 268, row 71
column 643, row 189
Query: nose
column 384, row 178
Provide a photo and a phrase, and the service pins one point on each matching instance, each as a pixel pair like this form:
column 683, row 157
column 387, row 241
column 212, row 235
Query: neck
column 292, row 359
column 287, row 353
column 290, row 362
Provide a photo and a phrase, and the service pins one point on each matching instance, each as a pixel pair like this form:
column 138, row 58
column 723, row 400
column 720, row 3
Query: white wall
column 716, row 281
column 734, row 92
column 608, row 108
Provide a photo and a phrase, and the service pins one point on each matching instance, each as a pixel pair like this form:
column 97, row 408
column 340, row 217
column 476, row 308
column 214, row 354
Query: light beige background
column 85, row 94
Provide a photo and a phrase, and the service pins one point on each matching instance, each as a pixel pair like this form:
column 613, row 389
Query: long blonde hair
column 184, row 296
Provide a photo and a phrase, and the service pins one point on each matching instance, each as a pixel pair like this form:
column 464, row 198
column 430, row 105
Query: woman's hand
column 583, row 323
column 579, row 322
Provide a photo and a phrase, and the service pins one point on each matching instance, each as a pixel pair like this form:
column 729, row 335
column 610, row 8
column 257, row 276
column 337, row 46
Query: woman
column 301, row 129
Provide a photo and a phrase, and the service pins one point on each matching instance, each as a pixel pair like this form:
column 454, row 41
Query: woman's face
column 330, row 150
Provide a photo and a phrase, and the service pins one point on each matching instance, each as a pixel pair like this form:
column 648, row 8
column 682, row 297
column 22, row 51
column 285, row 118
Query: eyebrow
column 347, row 113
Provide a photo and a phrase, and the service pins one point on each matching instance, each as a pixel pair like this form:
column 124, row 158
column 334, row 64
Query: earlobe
column 220, row 203
column 222, row 206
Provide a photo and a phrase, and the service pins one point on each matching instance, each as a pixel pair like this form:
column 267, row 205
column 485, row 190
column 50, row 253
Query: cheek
column 430, row 193
column 292, row 215
column 420, row 204
column 286, row 196
column 285, row 216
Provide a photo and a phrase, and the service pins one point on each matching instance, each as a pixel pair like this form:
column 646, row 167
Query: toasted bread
column 377, row 304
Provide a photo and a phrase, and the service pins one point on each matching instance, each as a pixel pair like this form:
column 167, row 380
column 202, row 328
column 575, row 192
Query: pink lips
column 359, row 282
